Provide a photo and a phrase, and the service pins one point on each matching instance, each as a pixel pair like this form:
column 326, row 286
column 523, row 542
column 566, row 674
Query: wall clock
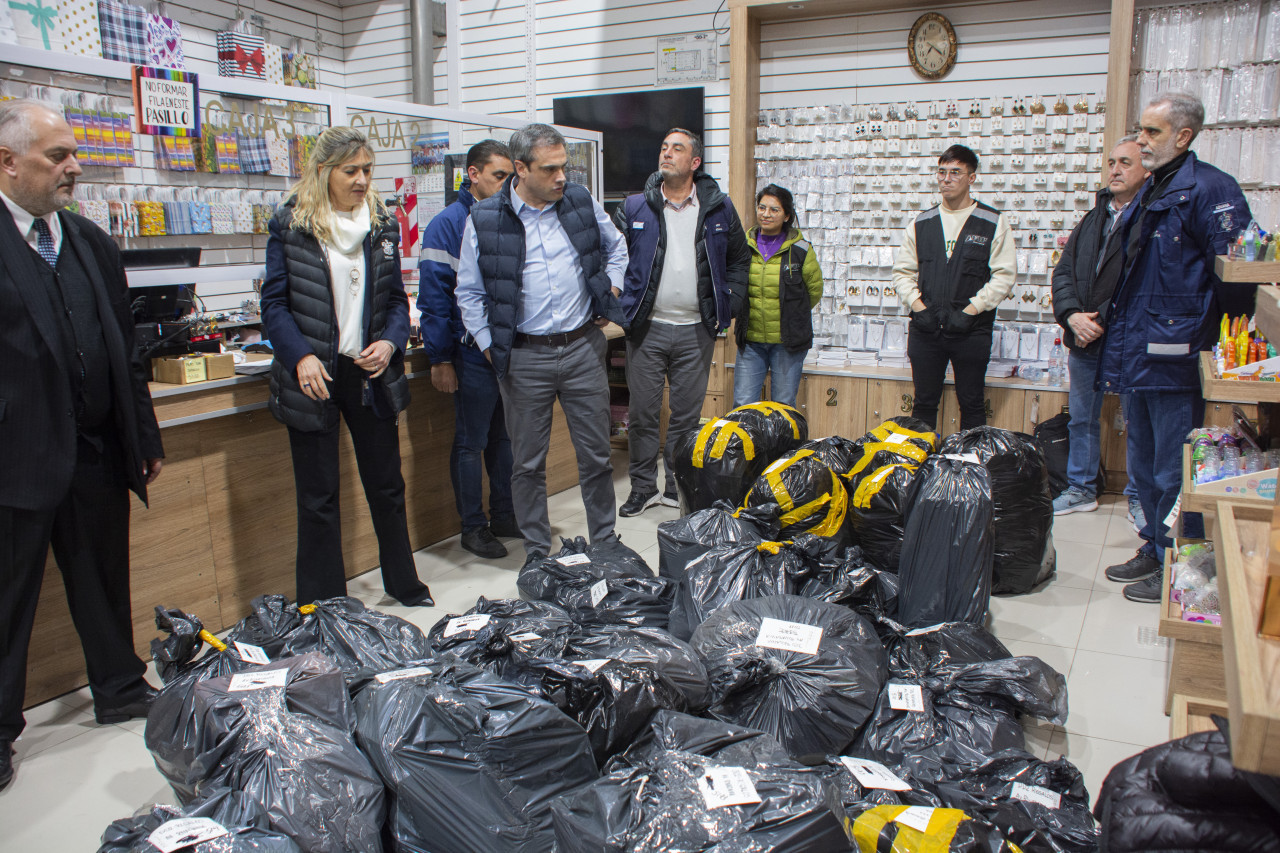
column 931, row 46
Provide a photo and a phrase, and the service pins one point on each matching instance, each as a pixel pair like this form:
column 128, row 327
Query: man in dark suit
column 77, row 429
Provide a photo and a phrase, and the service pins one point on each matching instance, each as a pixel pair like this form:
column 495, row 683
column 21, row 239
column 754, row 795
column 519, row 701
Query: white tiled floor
column 74, row 777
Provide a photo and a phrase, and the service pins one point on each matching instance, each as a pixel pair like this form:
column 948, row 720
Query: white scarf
column 348, row 230
column 346, row 266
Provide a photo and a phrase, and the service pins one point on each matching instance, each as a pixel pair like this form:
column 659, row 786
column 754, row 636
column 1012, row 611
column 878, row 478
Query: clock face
column 932, row 46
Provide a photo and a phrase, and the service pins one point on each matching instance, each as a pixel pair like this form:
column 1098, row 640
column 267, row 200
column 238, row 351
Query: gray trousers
column 536, row 377
column 680, row 356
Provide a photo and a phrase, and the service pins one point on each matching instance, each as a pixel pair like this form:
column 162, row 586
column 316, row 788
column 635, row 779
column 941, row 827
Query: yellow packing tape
column 723, row 431
column 872, row 825
column 871, row 485
column 212, row 640
column 771, row 408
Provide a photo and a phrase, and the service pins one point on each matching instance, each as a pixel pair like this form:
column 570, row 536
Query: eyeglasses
column 952, row 174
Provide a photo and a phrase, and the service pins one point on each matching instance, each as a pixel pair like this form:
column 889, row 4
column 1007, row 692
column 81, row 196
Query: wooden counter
column 220, row 528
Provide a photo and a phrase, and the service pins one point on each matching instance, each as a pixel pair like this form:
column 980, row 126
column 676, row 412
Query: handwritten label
column 242, row 681
column 727, row 786
column 906, row 697
column 399, row 674
column 1036, row 794
column 185, row 832
column 873, row 774
column 789, row 636
column 464, row 624
column 252, row 654
column 916, row 817
column 573, row 560
column 599, row 590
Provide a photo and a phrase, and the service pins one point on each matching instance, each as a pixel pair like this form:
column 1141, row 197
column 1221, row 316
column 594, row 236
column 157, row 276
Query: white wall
column 378, row 51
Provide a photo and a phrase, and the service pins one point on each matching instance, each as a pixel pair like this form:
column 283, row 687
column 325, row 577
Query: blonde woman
column 334, row 307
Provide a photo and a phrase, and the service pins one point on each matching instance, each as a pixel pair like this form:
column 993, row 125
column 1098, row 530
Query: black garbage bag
column 496, row 635
column 1024, row 552
column 877, row 506
column 472, row 761
column 540, row 580
column 947, row 545
column 723, row 459
column 808, row 496
column 668, row 656
column 897, row 440
column 282, row 734
column 837, row 453
column 1186, row 795
column 908, row 828
column 1055, row 443
column 1042, row 806
column 966, row 714
column 844, row 577
column 925, row 651
column 171, row 723
column 725, row 742
column 686, row 803
column 813, row 696
column 728, row 573
column 359, row 639
column 242, row 821
column 683, row 539
column 859, row 784
column 611, row 699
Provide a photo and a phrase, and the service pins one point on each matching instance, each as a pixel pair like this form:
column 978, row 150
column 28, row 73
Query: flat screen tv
column 634, row 125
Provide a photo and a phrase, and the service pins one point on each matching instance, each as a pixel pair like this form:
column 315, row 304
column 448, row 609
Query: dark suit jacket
column 37, row 421
column 1078, row 271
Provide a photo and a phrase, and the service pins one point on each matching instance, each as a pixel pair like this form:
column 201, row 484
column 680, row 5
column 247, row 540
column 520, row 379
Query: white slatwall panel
column 584, row 47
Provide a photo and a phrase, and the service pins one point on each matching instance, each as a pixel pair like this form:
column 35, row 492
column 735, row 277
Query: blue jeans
column 755, row 361
column 479, row 438
column 1158, row 425
column 1085, row 429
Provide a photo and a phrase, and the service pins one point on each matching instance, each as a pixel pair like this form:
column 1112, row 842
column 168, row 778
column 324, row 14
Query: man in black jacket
column 77, row 430
column 1083, row 283
column 686, row 279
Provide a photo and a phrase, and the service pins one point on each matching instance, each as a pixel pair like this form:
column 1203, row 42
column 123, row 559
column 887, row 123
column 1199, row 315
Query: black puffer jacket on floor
column 1184, row 796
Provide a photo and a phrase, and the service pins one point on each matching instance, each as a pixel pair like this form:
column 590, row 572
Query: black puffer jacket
column 298, row 314
column 1185, row 796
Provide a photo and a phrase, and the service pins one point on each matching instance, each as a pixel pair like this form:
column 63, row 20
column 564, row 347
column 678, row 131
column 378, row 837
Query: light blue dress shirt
column 553, row 295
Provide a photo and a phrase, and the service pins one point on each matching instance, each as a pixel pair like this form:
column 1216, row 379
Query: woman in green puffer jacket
column 775, row 330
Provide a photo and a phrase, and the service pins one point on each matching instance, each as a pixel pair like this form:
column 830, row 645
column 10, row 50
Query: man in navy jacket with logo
column 1163, row 313
column 686, row 279
column 459, row 368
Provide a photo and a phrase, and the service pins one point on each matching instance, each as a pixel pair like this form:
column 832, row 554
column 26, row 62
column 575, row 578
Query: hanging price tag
column 598, row 591
column 789, row 636
column 185, row 832
column 727, row 786
column 252, row 654
column 1036, row 794
column 398, row 674
column 916, row 817
column 573, row 560
column 906, row 697
column 464, row 624
column 242, row 681
column 873, row 774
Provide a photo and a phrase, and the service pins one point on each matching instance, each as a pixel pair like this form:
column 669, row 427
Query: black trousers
column 968, row 356
column 320, row 570
column 89, row 532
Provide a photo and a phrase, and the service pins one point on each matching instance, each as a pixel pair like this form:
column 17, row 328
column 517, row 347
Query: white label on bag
column 252, row 654
column 918, row 631
column 896, row 438
column 526, row 637
column 789, row 636
column 775, row 465
column 398, row 674
column 727, row 786
column 599, row 590
column 185, row 832
column 1036, row 794
column 873, row 774
column 906, row 697
column 462, row 624
column 916, row 817
column 573, row 560
column 593, row 665
column 258, row 680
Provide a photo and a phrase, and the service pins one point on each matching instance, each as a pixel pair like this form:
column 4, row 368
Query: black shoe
column 421, row 598
column 505, row 527
column 6, row 763
column 1140, row 566
column 534, row 557
column 138, row 708
column 480, row 541
column 638, row 502
column 671, row 498
column 1146, row 591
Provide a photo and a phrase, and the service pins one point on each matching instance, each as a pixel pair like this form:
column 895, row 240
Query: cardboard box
column 1258, row 485
column 188, row 369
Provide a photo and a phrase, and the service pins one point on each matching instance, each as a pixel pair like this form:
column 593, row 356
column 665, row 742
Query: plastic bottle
column 1252, row 241
column 1057, row 363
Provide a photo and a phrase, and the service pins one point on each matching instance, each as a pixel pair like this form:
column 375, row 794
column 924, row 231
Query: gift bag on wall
column 240, row 53
column 223, row 218
column 150, row 218
column 299, row 69
column 37, row 23
column 201, row 218
column 164, row 42
column 273, row 63
column 254, row 156
column 278, row 150
column 123, row 29
column 98, row 213
column 242, row 217
column 78, row 20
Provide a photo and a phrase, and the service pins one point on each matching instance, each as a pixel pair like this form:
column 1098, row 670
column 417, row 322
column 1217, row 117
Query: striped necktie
column 44, row 242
